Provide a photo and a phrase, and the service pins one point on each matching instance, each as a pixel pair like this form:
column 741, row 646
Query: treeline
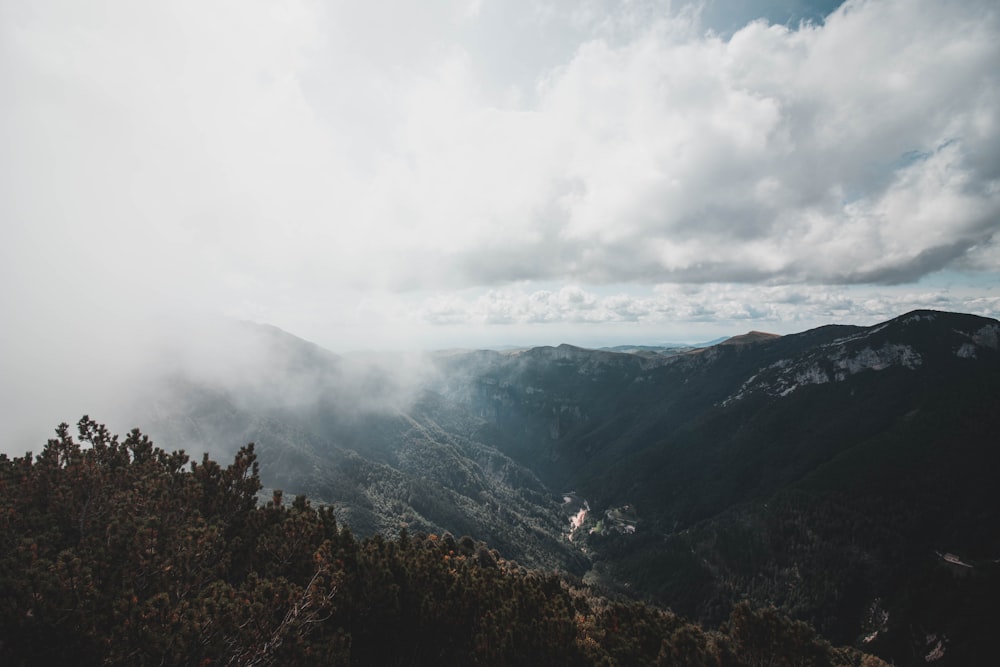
column 117, row 552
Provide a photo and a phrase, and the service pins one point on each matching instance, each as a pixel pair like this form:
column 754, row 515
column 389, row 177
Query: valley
column 818, row 472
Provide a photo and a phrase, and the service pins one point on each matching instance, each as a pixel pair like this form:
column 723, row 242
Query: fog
column 125, row 371
column 472, row 174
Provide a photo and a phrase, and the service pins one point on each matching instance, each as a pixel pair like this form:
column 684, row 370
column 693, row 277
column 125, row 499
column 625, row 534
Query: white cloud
column 688, row 309
column 838, row 153
column 257, row 144
column 327, row 166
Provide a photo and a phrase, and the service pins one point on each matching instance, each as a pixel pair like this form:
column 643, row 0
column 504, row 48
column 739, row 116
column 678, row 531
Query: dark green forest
column 114, row 551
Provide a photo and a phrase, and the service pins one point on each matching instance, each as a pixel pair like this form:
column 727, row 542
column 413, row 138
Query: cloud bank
column 355, row 172
column 253, row 141
column 786, row 308
column 845, row 153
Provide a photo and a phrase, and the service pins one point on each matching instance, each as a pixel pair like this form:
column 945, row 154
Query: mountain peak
column 750, row 337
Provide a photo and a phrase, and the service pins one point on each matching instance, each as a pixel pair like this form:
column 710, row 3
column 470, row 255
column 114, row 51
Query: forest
column 114, row 551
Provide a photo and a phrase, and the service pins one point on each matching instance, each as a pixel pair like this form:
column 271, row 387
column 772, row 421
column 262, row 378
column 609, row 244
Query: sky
column 471, row 173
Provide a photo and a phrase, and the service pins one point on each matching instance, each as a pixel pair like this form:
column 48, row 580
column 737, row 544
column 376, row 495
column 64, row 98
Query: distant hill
column 649, row 349
column 823, row 472
column 749, row 337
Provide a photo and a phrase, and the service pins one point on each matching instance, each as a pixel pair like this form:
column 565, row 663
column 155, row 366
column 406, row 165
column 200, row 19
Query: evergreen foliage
column 117, row 552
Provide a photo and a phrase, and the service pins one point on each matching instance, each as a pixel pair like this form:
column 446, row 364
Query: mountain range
column 845, row 474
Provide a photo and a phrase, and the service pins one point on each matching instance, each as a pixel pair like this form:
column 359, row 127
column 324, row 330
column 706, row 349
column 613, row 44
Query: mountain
column 361, row 435
column 844, row 474
column 650, row 349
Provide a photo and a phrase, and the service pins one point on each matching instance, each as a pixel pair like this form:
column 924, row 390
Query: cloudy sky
column 487, row 172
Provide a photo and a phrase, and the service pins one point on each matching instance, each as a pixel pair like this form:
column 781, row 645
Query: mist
column 471, row 175
column 127, row 372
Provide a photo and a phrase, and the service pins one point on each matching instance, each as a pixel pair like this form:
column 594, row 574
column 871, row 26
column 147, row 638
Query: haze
column 479, row 173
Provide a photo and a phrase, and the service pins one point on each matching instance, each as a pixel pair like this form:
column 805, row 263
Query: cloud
column 317, row 149
column 778, row 155
column 349, row 170
column 727, row 307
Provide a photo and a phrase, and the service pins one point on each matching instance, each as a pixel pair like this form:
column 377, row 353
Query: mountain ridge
column 697, row 446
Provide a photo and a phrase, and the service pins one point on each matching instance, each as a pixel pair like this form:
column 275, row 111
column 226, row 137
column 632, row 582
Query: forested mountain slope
column 117, row 552
column 827, row 472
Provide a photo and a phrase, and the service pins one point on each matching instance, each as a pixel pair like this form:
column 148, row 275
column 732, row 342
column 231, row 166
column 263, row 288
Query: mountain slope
column 823, row 471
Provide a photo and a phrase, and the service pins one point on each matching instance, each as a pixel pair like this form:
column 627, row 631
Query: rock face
column 818, row 471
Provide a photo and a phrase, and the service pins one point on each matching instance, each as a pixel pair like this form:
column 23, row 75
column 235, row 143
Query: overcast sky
column 481, row 172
